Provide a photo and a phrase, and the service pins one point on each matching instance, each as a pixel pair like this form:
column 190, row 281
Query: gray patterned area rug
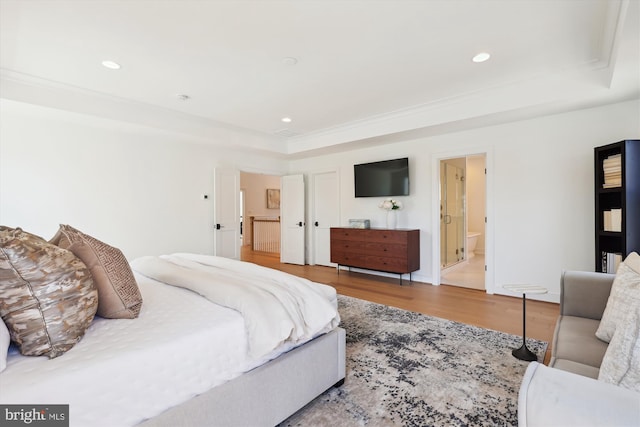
column 408, row 369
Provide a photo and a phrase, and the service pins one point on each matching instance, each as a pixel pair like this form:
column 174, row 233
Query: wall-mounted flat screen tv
column 382, row 179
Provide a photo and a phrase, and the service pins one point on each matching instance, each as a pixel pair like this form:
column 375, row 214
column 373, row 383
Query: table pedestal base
column 523, row 353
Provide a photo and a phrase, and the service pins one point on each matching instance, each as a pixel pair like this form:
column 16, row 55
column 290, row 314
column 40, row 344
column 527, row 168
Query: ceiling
column 348, row 73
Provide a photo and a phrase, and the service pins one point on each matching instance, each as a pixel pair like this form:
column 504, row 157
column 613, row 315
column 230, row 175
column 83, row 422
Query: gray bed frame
column 268, row 394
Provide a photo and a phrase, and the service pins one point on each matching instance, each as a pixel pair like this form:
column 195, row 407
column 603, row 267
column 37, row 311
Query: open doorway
column 462, row 221
column 241, row 217
column 260, row 215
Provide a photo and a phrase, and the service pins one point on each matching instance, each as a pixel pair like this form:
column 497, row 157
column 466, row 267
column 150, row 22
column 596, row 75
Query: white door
column 326, row 214
column 292, row 223
column 226, row 213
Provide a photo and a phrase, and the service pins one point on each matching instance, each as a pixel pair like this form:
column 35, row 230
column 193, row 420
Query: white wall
column 542, row 190
column 141, row 190
column 134, row 188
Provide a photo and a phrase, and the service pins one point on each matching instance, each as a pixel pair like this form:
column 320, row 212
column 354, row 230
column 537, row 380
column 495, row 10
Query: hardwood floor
column 470, row 306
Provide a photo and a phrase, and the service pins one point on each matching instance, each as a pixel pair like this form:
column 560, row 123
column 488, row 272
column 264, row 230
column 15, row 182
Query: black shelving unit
column 616, row 239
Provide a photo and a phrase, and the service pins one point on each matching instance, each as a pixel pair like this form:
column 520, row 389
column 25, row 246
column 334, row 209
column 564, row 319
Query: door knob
column 315, row 223
column 300, row 224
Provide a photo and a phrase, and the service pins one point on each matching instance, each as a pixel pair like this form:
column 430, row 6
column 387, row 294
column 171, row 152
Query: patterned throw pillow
column 118, row 293
column 47, row 295
column 5, row 341
column 621, row 363
column 624, row 297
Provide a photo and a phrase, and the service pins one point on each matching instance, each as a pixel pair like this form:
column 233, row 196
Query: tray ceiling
column 345, row 72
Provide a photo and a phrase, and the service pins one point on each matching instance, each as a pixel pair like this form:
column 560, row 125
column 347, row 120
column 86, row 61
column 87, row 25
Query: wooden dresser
column 392, row 251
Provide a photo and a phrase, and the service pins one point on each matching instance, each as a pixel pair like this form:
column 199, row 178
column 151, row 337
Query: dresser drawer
column 389, row 250
column 391, row 265
column 347, row 258
column 386, row 236
column 369, row 235
column 345, row 245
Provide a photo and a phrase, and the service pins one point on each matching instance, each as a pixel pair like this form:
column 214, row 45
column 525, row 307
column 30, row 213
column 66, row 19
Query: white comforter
column 277, row 307
column 124, row 371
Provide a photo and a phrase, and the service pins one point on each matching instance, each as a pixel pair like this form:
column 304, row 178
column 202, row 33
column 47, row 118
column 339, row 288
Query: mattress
column 125, row 371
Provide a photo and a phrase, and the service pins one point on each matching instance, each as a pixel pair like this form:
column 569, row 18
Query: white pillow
column 624, row 297
column 5, row 340
column 621, row 363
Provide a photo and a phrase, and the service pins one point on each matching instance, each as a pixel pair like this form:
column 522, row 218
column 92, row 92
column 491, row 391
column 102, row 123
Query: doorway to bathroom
column 462, row 221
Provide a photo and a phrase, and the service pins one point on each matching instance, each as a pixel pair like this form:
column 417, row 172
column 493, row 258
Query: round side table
column 523, row 353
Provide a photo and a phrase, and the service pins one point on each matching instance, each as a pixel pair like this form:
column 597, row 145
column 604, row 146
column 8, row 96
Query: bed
column 187, row 360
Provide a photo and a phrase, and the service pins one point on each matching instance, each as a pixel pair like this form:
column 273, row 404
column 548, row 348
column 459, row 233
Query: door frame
column 243, row 217
column 487, row 151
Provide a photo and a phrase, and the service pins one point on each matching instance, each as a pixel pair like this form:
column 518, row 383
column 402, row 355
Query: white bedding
column 276, row 306
column 127, row 370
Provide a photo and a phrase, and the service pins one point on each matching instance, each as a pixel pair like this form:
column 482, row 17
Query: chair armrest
column 584, row 293
column 552, row 397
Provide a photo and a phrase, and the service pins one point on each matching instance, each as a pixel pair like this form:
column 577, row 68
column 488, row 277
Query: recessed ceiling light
column 286, row 119
column 481, row 57
column 111, row 64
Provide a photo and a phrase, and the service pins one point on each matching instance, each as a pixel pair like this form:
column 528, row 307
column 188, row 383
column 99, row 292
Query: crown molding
column 35, row 90
column 571, row 86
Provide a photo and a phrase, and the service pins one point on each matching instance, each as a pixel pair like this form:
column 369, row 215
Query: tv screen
column 382, row 179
